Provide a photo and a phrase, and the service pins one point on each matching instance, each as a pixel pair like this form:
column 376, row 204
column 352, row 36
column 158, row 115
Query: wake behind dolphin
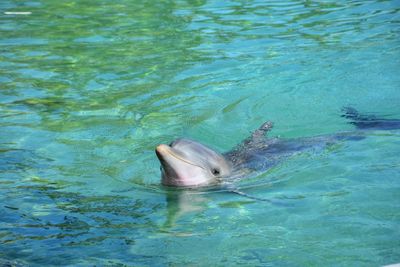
column 187, row 163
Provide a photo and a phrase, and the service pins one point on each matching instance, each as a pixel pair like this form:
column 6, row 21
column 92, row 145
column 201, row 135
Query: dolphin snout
column 161, row 147
column 161, row 150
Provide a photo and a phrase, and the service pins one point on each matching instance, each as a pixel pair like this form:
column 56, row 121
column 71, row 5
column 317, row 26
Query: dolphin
column 188, row 163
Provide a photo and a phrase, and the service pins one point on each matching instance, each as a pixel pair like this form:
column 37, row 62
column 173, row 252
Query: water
column 89, row 88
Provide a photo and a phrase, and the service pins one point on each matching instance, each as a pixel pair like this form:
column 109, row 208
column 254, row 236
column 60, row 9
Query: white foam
column 17, row 12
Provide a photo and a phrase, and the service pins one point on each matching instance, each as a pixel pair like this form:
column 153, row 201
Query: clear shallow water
column 89, row 88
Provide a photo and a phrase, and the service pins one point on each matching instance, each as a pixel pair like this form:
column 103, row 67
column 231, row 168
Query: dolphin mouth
column 162, row 150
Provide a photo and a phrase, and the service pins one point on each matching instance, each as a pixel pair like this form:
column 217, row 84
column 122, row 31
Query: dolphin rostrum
column 187, row 163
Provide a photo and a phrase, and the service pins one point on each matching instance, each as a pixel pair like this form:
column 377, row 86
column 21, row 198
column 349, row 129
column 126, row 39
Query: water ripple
column 89, row 88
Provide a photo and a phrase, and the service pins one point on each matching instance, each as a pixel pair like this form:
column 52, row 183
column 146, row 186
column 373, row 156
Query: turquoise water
column 89, row 88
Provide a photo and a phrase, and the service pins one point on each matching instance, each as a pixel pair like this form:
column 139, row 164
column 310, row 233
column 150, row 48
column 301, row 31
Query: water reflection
column 181, row 203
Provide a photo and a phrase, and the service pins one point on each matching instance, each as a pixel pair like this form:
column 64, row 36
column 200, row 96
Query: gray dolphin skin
column 187, row 163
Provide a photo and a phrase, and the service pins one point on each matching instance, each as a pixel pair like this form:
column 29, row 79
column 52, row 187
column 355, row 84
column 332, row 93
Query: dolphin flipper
column 271, row 201
column 369, row 122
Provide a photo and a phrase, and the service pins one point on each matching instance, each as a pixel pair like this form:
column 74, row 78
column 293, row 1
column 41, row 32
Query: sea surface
column 89, row 88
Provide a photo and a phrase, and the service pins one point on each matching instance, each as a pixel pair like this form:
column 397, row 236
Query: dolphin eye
column 215, row 171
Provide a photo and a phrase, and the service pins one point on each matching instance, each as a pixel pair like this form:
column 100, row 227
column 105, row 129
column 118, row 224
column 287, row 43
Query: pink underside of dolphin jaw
column 176, row 171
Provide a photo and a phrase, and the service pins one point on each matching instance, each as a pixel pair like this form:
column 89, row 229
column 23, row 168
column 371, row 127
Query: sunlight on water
column 89, row 88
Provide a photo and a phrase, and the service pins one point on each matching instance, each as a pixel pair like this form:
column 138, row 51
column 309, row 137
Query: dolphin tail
column 369, row 122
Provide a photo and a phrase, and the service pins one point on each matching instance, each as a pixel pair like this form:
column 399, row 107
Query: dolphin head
column 188, row 163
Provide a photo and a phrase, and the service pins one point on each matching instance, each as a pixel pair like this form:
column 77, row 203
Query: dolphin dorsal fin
column 256, row 138
column 262, row 130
